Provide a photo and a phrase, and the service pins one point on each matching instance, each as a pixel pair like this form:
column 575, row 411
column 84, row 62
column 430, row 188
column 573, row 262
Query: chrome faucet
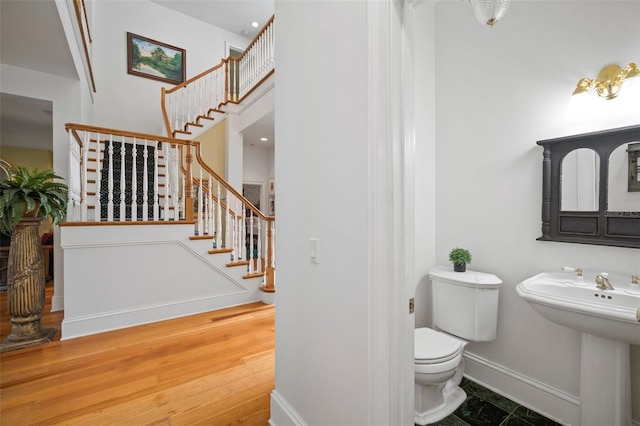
column 603, row 283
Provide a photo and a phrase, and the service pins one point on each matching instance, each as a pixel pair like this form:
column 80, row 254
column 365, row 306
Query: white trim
column 390, row 325
column 553, row 403
column 282, row 414
column 109, row 321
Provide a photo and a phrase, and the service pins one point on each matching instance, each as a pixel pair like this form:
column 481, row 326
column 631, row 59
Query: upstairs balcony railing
column 198, row 98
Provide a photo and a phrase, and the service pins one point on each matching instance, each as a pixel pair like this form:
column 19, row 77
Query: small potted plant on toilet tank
column 459, row 257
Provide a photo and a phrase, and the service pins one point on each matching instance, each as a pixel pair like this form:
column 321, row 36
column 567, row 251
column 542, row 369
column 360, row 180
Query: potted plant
column 26, row 198
column 459, row 257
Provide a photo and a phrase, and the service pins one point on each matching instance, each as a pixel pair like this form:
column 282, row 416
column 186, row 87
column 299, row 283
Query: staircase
column 152, row 231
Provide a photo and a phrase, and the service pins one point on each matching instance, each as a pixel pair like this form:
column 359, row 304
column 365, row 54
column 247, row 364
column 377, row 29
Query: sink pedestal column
column 605, row 387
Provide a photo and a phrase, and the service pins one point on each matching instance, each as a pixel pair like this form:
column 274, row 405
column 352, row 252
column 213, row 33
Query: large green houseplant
column 32, row 193
column 26, row 198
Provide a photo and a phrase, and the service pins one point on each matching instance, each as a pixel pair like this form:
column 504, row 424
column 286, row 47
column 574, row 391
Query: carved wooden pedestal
column 26, row 288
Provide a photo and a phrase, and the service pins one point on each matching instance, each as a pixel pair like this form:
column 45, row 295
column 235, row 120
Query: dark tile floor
column 486, row 408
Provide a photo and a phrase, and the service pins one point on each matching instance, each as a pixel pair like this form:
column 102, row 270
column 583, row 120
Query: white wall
column 498, row 91
column 66, row 96
column 321, row 172
column 101, row 297
column 129, row 102
column 425, row 154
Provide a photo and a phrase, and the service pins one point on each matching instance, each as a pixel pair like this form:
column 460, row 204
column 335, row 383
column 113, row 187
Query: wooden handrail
column 77, row 6
column 86, row 19
column 109, row 131
column 192, row 79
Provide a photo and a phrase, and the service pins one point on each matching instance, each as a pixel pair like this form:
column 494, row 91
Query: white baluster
column 134, row 182
column 168, row 160
column 200, row 200
column 259, row 245
column 207, row 207
column 99, row 167
column 251, row 242
column 174, row 178
column 210, row 228
column 184, row 194
column 145, row 184
column 176, row 109
column 83, row 177
column 71, row 174
column 219, row 241
column 123, row 181
column 156, row 201
column 227, row 236
column 237, row 236
column 110, row 182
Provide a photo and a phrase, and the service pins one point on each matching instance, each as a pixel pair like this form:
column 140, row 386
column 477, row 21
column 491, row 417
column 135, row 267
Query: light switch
column 314, row 250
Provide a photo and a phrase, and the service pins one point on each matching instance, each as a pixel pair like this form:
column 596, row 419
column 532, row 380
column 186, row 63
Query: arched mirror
column 621, row 197
column 588, row 193
column 580, row 177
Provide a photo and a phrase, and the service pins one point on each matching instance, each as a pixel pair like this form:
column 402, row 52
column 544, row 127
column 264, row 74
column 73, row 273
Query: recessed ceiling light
column 245, row 32
column 264, row 139
column 254, row 24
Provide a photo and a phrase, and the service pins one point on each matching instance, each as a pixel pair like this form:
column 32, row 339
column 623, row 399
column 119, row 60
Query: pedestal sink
column 609, row 321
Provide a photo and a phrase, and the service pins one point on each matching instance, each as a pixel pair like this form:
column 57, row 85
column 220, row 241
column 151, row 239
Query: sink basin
column 609, row 321
column 610, row 314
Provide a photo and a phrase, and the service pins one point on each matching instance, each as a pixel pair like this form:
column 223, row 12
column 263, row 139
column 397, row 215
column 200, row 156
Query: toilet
column 465, row 309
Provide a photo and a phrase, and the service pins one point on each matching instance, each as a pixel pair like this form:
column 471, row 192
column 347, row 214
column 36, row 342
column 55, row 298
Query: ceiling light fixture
column 264, row 139
column 609, row 81
column 490, row 11
column 254, row 24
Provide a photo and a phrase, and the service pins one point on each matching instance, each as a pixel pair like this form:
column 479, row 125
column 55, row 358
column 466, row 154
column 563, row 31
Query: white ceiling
column 46, row 50
column 232, row 15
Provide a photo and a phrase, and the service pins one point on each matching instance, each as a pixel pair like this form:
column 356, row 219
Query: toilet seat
column 436, row 352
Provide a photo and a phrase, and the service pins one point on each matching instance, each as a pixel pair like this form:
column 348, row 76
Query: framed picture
column 152, row 59
column 272, row 205
column 272, row 186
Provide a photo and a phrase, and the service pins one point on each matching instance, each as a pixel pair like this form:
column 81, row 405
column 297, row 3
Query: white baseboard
column 282, row 414
column 552, row 403
column 103, row 322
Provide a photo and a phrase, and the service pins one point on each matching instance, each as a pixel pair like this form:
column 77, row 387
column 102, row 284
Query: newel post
column 188, row 188
column 269, row 285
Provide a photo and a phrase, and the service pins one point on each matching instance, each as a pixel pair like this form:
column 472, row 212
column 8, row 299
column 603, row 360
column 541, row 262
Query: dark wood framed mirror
column 585, row 189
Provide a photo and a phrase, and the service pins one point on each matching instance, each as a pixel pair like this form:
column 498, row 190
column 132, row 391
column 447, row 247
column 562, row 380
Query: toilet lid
column 431, row 346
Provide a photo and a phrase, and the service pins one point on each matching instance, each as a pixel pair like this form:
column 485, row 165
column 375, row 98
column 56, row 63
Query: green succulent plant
column 459, row 256
column 25, row 191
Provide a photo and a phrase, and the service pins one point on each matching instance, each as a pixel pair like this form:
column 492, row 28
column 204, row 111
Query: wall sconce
column 609, row 80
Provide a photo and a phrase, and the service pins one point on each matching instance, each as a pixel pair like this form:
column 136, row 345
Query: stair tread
column 253, row 275
column 238, row 263
column 220, row 250
column 201, row 237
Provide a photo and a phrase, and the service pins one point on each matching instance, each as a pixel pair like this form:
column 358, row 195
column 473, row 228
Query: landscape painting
column 152, row 59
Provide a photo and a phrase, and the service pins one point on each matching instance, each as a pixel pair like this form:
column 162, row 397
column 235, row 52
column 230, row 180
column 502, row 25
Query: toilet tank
column 465, row 304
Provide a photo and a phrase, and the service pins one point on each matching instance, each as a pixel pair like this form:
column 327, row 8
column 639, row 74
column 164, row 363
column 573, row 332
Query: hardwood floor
column 215, row 368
